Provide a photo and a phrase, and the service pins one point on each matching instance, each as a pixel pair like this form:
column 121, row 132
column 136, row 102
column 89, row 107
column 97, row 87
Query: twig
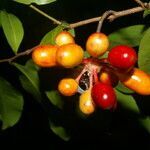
column 140, row 3
column 45, row 15
column 103, row 17
column 111, row 17
column 117, row 14
column 27, row 52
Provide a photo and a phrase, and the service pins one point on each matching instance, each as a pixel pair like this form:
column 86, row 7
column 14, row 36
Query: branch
column 45, row 15
column 140, row 3
column 110, row 18
column 103, row 17
column 77, row 24
column 26, row 52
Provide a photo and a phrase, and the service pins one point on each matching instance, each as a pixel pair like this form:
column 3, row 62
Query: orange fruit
column 45, row 56
column 68, row 87
column 69, row 55
column 63, row 38
column 136, row 80
column 108, row 77
column 97, row 44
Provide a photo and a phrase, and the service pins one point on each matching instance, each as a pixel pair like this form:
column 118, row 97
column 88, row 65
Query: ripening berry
column 68, row 87
column 69, row 55
column 107, row 76
column 97, row 44
column 45, row 56
column 63, row 38
column 136, row 80
column 86, row 103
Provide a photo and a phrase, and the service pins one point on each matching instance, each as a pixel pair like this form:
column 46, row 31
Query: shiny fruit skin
column 63, row 38
column 45, row 56
column 97, row 44
column 108, row 77
column 69, row 55
column 136, row 80
column 104, row 95
column 122, row 57
column 86, row 103
column 67, row 86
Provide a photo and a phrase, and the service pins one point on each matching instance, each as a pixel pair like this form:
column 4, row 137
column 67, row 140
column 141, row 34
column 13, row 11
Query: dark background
column 32, row 130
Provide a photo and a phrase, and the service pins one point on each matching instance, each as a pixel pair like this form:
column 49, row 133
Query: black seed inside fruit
column 84, row 81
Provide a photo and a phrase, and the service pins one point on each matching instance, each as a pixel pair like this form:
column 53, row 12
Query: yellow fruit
column 86, row 103
column 63, row 38
column 97, row 44
column 69, row 55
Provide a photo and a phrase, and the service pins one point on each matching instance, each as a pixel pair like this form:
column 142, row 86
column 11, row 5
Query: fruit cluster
column 99, row 76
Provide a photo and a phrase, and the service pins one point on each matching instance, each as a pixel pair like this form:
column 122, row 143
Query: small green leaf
column 127, row 102
column 130, row 36
column 86, row 54
column 29, row 80
column 72, row 31
column 120, row 87
column 38, row 2
column 55, row 98
column 49, row 38
column 145, row 122
column 146, row 13
column 105, row 55
column 144, row 52
column 13, row 30
column 11, row 104
column 59, row 131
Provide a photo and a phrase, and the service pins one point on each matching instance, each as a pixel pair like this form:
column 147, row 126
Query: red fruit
column 122, row 57
column 104, row 96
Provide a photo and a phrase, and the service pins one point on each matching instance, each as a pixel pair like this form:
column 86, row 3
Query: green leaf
column 30, row 80
column 105, row 55
column 145, row 122
column 86, row 54
column 127, row 102
column 146, row 13
column 72, row 31
column 49, row 38
column 11, row 104
column 59, row 131
column 13, row 30
column 144, row 53
column 120, row 87
column 28, row 86
column 38, row 2
column 31, row 65
column 0, row 20
column 130, row 36
column 55, row 98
